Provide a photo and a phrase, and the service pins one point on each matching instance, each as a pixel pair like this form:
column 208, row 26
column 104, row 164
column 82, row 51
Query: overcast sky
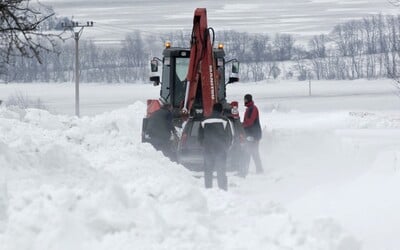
column 299, row 17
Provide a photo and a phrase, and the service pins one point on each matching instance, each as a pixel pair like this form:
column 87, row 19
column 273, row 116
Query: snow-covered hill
column 89, row 183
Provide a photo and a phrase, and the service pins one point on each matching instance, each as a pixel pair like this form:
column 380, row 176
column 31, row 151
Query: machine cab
column 175, row 63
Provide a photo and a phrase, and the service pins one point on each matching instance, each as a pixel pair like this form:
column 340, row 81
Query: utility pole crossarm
column 73, row 24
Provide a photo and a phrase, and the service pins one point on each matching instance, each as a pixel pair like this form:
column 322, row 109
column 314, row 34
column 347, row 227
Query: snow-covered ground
column 332, row 165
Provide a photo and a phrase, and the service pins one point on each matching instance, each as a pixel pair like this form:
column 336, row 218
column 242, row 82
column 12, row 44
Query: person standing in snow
column 252, row 128
column 215, row 135
column 161, row 130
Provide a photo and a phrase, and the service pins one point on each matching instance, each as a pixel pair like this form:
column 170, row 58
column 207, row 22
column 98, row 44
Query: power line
column 126, row 29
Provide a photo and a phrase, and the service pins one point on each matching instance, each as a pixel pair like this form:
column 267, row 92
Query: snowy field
column 113, row 19
column 332, row 176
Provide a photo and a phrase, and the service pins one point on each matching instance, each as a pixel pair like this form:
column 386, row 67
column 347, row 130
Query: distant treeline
column 367, row 48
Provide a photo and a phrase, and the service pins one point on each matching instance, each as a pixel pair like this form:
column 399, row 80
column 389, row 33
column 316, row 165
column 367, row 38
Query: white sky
column 113, row 19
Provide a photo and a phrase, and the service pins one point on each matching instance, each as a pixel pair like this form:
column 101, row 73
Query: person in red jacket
column 252, row 128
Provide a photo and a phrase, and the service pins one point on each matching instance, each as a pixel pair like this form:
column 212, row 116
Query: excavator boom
column 202, row 77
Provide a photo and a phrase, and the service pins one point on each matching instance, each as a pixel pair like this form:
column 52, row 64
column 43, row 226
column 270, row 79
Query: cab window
column 165, row 90
column 181, row 69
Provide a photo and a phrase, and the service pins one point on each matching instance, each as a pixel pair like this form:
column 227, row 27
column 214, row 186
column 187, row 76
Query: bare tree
column 20, row 30
column 258, row 46
column 284, row 45
column 318, row 46
column 393, row 75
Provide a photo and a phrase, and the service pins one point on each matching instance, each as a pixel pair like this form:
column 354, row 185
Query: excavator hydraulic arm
column 202, row 77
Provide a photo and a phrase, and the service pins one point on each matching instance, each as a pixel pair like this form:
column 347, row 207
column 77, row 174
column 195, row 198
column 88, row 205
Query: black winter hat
column 248, row 97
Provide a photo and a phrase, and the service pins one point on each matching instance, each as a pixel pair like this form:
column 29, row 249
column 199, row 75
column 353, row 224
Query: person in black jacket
column 161, row 130
column 252, row 128
column 215, row 135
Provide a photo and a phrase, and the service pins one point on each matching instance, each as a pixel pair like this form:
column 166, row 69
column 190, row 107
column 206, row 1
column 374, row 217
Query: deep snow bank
column 89, row 183
column 338, row 165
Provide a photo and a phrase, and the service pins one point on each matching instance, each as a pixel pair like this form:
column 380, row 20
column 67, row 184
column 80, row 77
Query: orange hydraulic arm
column 202, row 70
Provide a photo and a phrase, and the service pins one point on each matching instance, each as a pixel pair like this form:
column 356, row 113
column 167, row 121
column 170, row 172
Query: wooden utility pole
column 77, row 34
column 309, row 76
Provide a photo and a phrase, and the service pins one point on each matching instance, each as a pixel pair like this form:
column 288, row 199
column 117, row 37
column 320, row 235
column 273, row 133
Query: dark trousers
column 215, row 161
column 252, row 151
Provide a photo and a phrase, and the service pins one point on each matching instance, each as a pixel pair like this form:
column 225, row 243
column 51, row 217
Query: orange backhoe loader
column 192, row 80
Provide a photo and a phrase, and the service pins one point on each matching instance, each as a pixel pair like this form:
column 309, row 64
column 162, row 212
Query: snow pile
column 89, row 183
column 344, row 165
